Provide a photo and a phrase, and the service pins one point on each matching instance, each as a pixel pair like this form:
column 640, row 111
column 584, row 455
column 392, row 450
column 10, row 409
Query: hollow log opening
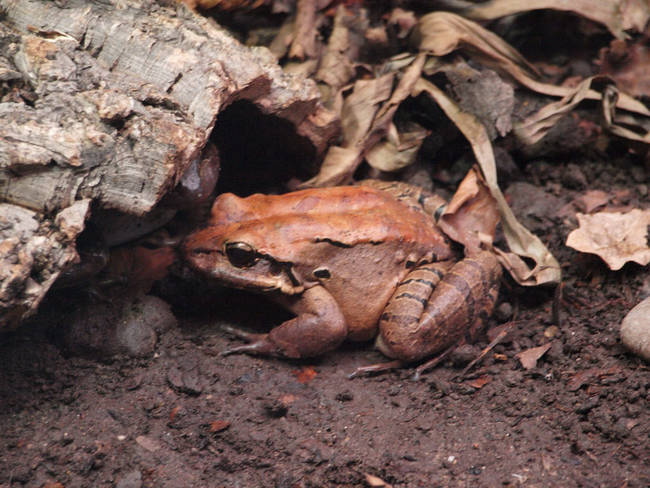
column 259, row 152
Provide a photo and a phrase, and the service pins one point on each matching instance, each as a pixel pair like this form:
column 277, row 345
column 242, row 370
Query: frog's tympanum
column 352, row 263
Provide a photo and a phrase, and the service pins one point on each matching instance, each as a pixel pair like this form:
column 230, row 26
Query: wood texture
column 110, row 102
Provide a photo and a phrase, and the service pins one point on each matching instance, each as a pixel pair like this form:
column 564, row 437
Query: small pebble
column 551, row 331
column 130, row 480
column 503, row 313
column 635, row 330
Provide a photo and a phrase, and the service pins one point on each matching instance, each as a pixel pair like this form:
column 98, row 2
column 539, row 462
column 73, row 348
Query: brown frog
column 351, row 262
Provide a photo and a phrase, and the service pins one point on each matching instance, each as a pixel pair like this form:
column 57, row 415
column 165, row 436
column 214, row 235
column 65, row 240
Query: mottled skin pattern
column 350, row 263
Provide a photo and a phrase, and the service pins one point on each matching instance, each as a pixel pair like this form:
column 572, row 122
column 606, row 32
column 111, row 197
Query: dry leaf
column 403, row 20
column 305, row 375
column 336, row 68
column 616, row 237
column 592, row 200
column 471, row 217
column 529, row 357
column 479, row 382
column 398, row 150
column 623, row 126
column 617, row 15
column 219, row 425
column 376, row 482
column 443, row 32
column 364, row 124
column 587, row 376
column 535, row 127
column 520, row 240
column 283, row 39
column 360, row 108
column 305, row 44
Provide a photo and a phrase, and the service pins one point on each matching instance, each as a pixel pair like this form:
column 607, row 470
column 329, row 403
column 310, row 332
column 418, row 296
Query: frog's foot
column 432, row 363
column 376, row 368
column 258, row 344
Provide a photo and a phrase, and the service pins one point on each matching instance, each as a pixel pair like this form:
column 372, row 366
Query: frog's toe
column 242, row 334
column 376, row 368
column 262, row 347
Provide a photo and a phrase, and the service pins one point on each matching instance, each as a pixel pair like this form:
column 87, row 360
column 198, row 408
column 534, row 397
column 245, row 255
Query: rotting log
column 105, row 105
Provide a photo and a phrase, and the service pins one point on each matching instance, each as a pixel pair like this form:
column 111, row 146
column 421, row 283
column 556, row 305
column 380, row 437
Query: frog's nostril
column 322, row 273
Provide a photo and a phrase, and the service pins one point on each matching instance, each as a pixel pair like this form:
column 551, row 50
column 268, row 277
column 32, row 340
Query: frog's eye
column 240, row 254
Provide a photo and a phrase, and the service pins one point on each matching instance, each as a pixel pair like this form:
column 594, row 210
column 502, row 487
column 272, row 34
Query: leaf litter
column 371, row 134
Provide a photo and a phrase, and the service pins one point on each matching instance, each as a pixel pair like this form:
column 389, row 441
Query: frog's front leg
column 434, row 309
column 319, row 327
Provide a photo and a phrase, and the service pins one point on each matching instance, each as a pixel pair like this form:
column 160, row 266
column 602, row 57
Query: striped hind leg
column 439, row 306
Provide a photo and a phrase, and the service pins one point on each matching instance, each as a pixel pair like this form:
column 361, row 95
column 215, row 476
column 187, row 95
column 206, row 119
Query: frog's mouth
column 264, row 276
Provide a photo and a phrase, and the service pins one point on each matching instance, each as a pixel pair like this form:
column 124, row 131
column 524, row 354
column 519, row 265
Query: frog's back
column 344, row 216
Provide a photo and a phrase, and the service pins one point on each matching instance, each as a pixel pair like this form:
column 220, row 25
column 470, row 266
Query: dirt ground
column 189, row 417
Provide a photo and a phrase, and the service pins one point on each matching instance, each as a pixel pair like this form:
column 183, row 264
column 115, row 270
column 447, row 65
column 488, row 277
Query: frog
column 356, row 263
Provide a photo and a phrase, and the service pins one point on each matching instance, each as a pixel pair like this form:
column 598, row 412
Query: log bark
column 109, row 103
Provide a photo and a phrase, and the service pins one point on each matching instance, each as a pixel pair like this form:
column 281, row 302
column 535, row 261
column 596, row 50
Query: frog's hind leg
column 406, row 307
column 419, row 323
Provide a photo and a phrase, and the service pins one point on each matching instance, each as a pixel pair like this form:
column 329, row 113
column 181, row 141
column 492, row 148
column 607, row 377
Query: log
column 109, row 102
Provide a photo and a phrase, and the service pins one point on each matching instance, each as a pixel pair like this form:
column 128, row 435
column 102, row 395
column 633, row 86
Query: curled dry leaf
column 520, row 240
column 616, row 237
column 529, row 357
column 617, row 15
column 443, row 32
column 365, row 122
column 625, row 126
column 336, row 69
column 305, row 44
column 472, row 215
column 398, row 150
column 535, row 127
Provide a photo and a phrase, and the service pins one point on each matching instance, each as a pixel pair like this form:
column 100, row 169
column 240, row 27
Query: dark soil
column 189, row 417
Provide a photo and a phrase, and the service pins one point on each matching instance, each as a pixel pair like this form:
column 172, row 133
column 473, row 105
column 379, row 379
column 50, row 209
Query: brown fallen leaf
column 305, row 43
column 443, row 32
column 535, row 127
column 626, row 126
column 305, row 375
column 376, row 482
column 592, row 200
column 403, row 20
column 366, row 117
column 529, row 357
column 174, row 412
column 617, row 15
column 336, row 68
column 479, row 382
column 219, row 425
column 616, row 237
column 586, row 376
column 472, row 215
column 398, row 150
column 520, row 240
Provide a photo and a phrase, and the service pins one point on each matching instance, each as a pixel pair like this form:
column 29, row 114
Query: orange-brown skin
column 336, row 257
